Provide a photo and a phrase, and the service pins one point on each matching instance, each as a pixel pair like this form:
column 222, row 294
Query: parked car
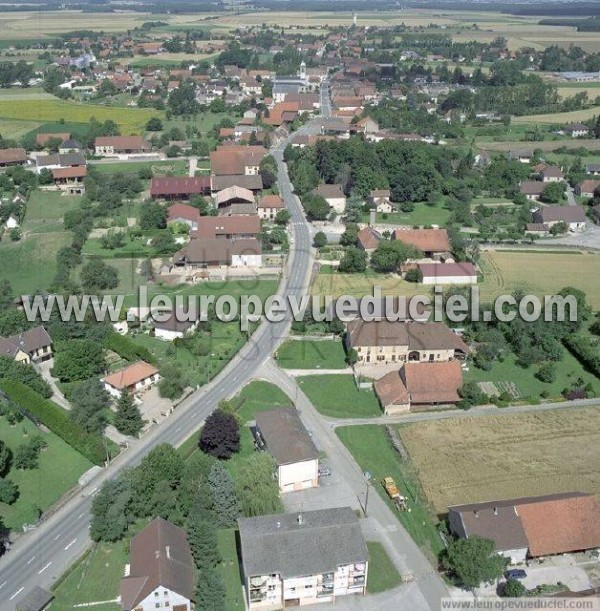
column 324, row 471
column 515, row 574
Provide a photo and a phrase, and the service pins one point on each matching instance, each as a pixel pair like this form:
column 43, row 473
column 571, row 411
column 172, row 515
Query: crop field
column 468, row 460
column 560, row 118
column 507, row 271
column 15, row 129
column 547, row 145
column 359, row 285
column 130, row 120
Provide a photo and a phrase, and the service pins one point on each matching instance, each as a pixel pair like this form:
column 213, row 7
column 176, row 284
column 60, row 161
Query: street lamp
column 368, row 475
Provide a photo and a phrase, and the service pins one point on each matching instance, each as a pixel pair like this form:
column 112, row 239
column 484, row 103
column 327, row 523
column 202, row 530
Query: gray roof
column 250, row 181
column 285, row 436
column 568, row 214
column 280, row 544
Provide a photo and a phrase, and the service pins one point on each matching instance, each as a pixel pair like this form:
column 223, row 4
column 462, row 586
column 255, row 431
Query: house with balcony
column 302, row 558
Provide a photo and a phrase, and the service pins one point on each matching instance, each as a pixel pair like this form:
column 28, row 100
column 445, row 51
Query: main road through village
column 40, row 557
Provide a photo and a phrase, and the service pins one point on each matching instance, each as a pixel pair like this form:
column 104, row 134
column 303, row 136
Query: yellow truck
column 394, row 493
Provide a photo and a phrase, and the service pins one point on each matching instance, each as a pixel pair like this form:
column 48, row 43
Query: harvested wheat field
column 473, row 459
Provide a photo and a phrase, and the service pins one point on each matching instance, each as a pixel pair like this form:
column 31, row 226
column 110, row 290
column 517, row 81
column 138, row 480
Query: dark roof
column 285, row 436
column 172, row 323
column 217, row 251
column 35, row 600
column 213, row 226
column 160, row 556
column 329, row 191
column 70, row 143
column 28, row 341
column 123, row 142
column 252, row 182
column 175, row 185
column 532, row 187
column 568, row 214
column 318, row 542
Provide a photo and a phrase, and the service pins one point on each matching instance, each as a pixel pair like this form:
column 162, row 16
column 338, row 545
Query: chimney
column 495, row 511
column 476, row 513
column 372, row 217
column 300, row 519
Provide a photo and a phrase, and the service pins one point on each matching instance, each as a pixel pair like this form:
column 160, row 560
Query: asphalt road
column 41, row 556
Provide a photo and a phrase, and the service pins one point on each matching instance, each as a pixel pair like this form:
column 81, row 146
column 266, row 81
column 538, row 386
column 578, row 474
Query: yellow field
column 130, row 120
column 14, row 129
column 540, row 273
column 546, row 145
column 560, row 117
column 359, row 285
column 468, row 460
column 567, row 91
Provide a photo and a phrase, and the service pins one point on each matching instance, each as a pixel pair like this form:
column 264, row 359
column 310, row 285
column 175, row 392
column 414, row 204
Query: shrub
column 127, row 349
column 56, row 419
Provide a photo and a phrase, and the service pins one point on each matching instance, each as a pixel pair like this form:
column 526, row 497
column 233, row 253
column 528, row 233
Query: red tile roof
column 214, row 226
column 183, row 211
column 426, row 240
column 124, row 378
column 74, row 172
column 233, row 159
column 179, row 186
column 429, row 383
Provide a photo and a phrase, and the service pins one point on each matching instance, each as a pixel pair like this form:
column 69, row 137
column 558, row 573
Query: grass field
column 95, row 578
column 567, row 372
column 45, row 211
column 371, row 448
column 60, row 467
column 421, row 215
column 358, row 285
column 129, row 120
column 467, row 460
column 307, row 354
column 15, row 129
column 383, row 575
column 336, row 396
column 507, row 271
column 230, row 570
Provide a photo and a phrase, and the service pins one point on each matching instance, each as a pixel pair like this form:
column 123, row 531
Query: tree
column 90, row 406
column 553, row 192
column 220, row 436
column 257, row 488
column 226, row 504
column 282, row 217
column 353, row 261
column 202, row 537
column 128, row 419
column 513, row 588
column 9, row 491
column 546, row 373
column 26, row 456
column 97, row 276
column 470, row 394
column 78, row 359
column 320, row 239
column 473, row 561
column 210, row 590
column 558, row 228
column 390, row 255
column 111, row 513
column 154, row 124
column 172, row 383
column 153, row 216
column 5, row 458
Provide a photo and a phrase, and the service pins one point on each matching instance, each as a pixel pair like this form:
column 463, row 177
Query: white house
column 573, row 216
column 134, row 378
column 448, row 273
column 301, row 559
column 281, row 433
column 161, row 570
column 170, row 326
column 333, row 195
column 11, row 222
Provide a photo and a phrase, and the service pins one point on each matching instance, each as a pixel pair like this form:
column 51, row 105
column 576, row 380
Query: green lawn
column 60, row 467
column 132, row 248
column 421, row 215
column 257, row 396
column 45, row 211
column 96, row 577
column 567, row 371
column 382, row 574
column 310, row 354
column 230, row 570
column 372, row 450
column 336, row 396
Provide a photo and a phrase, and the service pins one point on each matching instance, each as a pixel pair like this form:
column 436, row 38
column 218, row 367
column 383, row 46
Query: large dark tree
column 473, row 561
column 128, row 419
column 220, row 436
column 5, row 458
column 90, row 406
column 78, row 359
column 226, row 504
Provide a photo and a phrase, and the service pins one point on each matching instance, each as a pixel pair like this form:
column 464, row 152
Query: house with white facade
column 160, row 574
column 134, row 378
column 281, row 433
column 299, row 559
column 333, row 195
column 173, row 325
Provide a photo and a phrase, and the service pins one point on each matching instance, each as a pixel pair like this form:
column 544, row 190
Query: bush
column 127, row 349
column 56, row 419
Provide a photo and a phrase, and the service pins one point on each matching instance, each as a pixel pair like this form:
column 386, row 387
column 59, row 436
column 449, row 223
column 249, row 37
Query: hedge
column 585, row 352
column 56, row 419
column 128, row 349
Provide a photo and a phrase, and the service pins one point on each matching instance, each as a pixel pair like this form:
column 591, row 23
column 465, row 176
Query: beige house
column 269, row 206
column 382, row 342
column 281, row 433
column 291, row 560
column 34, row 345
column 333, row 195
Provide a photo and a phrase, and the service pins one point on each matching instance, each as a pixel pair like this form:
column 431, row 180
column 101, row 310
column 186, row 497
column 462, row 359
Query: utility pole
column 368, row 477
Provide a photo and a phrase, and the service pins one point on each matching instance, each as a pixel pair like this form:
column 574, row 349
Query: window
column 157, row 605
column 155, row 593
